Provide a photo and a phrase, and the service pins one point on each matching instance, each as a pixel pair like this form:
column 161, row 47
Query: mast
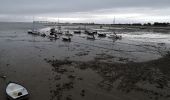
column 33, row 26
column 114, row 20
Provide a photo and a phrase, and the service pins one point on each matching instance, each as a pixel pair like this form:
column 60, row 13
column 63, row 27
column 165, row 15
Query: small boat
column 43, row 35
column 91, row 37
column 59, row 32
column 114, row 36
column 53, row 36
column 67, row 33
column 33, row 32
column 102, row 34
column 77, row 32
column 16, row 92
column 90, row 32
column 94, row 32
column 66, row 38
column 29, row 31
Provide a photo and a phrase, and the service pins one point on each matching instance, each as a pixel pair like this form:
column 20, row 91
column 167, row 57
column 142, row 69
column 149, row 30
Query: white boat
column 67, row 33
column 15, row 91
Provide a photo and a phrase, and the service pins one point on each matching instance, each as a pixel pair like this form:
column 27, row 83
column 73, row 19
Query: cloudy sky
column 98, row 11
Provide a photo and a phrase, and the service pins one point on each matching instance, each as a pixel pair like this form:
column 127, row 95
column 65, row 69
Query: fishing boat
column 16, row 92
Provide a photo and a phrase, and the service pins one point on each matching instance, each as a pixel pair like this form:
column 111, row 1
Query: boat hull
column 16, row 92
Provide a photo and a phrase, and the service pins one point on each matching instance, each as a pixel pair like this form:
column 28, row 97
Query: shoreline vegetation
column 151, row 78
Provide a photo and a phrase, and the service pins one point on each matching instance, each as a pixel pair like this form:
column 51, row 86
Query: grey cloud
column 60, row 6
column 25, row 9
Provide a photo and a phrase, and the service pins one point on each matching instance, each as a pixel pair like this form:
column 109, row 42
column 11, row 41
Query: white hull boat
column 16, row 92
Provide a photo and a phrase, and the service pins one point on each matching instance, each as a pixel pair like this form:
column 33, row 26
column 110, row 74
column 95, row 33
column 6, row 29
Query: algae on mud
column 149, row 78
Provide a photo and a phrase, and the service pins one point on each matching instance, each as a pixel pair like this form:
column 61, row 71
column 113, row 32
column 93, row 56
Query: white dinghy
column 16, row 92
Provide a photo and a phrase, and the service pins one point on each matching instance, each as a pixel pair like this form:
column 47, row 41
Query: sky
column 97, row 11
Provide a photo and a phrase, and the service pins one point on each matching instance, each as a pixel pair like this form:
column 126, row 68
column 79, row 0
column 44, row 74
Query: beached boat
column 33, row 32
column 66, row 38
column 29, row 31
column 53, row 37
column 16, row 92
column 77, row 32
column 59, row 32
column 43, row 35
column 67, row 33
column 89, row 32
column 91, row 37
column 102, row 34
column 114, row 36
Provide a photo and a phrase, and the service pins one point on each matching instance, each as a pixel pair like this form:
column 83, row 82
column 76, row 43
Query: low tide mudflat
column 133, row 68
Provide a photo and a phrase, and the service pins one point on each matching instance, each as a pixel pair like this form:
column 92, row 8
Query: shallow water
column 22, row 55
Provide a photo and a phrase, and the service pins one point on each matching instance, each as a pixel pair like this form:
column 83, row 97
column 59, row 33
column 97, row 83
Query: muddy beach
column 134, row 68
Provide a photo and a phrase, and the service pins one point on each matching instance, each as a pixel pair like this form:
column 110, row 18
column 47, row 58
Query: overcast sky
column 100, row 11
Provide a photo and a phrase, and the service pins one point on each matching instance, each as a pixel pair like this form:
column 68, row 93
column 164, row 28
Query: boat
column 15, row 91
column 67, row 33
column 94, row 32
column 66, row 38
column 29, row 31
column 91, row 37
column 53, row 37
column 114, row 36
column 33, row 32
column 90, row 32
column 59, row 32
column 77, row 32
column 43, row 35
column 102, row 34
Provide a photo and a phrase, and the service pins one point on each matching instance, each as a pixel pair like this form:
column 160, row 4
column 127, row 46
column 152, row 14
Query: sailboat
column 33, row 31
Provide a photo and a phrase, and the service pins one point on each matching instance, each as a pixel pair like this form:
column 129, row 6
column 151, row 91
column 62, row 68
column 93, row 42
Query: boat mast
column 33, row 24
column 114, row 20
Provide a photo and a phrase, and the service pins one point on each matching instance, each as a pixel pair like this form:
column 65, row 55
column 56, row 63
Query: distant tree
column 136, row 24
column 147, row 24
column 160, row 24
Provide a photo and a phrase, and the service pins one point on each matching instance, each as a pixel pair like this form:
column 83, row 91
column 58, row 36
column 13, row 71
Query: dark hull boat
column 65, row 38
column 16, row 92
column 77, row 32
column 114, row 36
column 33, row 32
column 101, row 34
